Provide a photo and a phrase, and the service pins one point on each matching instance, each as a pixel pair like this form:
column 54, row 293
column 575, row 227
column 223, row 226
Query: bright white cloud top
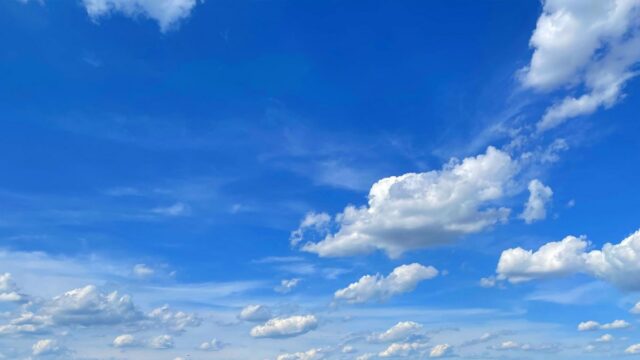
column 285, row 327
column 167, row 13
column 536, row 207
column 420, row 210
column 618, row 264
column 592, row 44
column 376, row 287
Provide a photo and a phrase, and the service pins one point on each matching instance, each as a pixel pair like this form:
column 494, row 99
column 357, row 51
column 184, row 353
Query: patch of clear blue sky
column 246, row 113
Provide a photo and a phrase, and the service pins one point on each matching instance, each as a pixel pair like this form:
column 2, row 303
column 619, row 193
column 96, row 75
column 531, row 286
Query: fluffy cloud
column 594, row 325
column 539, row 197
column 26, row 323
column 403, row 279
column 441, row 350
column 174, row 320
column 589, row 44
column 401, row 331
column 403, row 349
column 633, row 349
column 287, row 285
column 213, row 345
column 87, row 306
column 312, row 354
column 161, row 342
column 143, row 271
column 285, row 327
column 420, row 210
column 47, row 347
column 9, row 291
column 618, row 264
column 257, row 313
column 635, row 309
column 167, row 13
column 552, row 259
column 605, row 338
column 125, row 340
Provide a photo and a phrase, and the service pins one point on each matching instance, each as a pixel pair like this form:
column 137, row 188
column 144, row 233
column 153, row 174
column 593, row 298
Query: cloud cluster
column 536, row 206
column 376, row 287
column 583, row 44
column 47, row 347
column 618, row 264
column 594, row 325
column 420, row 210
column 9, row 291
column 167, row 13
column 285, row 327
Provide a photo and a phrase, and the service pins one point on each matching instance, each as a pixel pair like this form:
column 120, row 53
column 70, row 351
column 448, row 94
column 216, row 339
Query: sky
column 319, row 180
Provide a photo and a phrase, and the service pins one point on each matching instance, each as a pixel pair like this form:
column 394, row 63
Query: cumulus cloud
column 376, row 287
column 633, row 349
column 605, row 338
column 583, row 44
column 285, row 327
column 312, row 354
column 539, row 196
column 125, row 340
column 174, row 320
column 401, row 331
column 161, row 342
column 635, row 309
column 441, row 350
column 47, row 347
column 618, row 264
column 88, row 306
column 9, row 291
column 167, row 13
column 287, row 285
column 594, row 325
column 421, row 210
column 403, row 349
column 257, row 313
column 213, row 345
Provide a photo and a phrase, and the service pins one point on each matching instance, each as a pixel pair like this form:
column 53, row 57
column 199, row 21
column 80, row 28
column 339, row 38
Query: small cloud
column 287, row 285
column 177, row 209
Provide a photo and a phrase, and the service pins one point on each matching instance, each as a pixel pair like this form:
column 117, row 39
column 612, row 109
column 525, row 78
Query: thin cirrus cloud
column 590, row 45
column 615, row 263
column 419, row 210
column 376, row 287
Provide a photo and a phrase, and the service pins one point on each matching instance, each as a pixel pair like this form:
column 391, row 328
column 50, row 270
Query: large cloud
column 376, row 287
column 420, row 210
column 285, row 327
column 618, row 264
column 166, row 12
column 583, row 43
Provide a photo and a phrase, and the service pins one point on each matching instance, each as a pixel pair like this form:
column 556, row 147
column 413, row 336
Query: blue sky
column 306, row 180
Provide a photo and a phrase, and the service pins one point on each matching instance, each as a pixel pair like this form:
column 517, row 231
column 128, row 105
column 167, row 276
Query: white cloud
column 317, row 222
column 399, row 332
column 635, row 309
column 9, row 291
column 285, row 327
column 420, row 210
column 552, row 259
column 47, row 347
column 376, row 287
column 213, row 345
column 441, row 350
column 257, row 313
column 633, row 349
column 87, row 306
column 618, row 264
column 593, row 44
column 287, row 285
column 312, row 354
column 605, row 338
column 177, row 209
column 348, row 349
column 594, row 325
column 162, row 342
column 125, row 340
column 174, row 320
column 143, row 271
column 167, row 13
column 539, row 197
column 488, row 282
column 403, row 349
